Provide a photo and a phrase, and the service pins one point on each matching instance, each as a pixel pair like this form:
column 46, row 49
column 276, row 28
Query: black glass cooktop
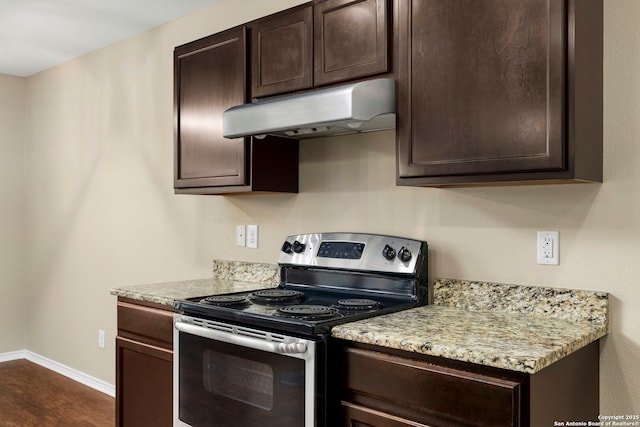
column 302, row 309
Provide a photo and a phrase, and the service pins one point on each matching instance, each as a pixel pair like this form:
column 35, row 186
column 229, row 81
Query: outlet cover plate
column 252, row 236
column 548, row 248
column 101, row 338
column 240, row 235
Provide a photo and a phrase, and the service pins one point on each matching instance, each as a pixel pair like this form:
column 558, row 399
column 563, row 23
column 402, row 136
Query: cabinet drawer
column 407, row 386
column 360, row 416
column 145, row 324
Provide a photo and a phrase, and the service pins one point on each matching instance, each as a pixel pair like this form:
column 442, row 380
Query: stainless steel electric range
column 260, row 358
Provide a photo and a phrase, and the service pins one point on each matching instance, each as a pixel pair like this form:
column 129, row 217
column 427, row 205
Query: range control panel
column 354, row 251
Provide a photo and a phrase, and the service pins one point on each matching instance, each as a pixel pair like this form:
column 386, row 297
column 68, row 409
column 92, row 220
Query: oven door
column 226, row 375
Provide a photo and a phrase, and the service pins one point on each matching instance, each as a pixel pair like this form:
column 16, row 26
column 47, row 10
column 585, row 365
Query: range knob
column 298, row 247
column 404, row 254
column 388, row 252
column 287, row 248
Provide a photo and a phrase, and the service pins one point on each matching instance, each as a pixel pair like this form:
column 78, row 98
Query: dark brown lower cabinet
column 144, row 365
column 361, row 416
column 380, row 388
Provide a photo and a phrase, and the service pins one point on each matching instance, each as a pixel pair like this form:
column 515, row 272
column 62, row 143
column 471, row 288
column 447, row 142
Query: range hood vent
column 359, row 107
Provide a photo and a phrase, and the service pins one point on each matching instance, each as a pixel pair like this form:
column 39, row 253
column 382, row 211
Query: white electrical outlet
column 252, row 236
column 548, row 247
column 101, row 338
column 240, row 235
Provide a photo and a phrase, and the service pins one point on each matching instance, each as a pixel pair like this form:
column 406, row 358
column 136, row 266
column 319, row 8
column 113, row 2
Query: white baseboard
column 13, row 355
column 81, row 377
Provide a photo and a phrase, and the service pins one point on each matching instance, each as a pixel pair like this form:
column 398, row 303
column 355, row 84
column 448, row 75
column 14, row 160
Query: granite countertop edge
column 484, row 349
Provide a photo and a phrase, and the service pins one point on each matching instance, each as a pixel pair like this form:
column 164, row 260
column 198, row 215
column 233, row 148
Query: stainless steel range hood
column 358, row 107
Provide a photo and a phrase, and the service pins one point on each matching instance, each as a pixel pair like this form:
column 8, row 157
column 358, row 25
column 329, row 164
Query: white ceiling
column 38, row 34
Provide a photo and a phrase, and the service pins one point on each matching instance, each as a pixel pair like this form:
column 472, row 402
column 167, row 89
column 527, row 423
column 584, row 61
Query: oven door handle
column 241, row 340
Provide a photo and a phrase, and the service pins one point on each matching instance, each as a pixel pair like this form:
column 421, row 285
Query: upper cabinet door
column 282, row 52
column 495, row 91
column 351, row 39
column 485, row 86
column 209, row 78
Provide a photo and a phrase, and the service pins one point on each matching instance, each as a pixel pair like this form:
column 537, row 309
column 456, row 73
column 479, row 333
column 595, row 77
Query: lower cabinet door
column 144, row 384
column 360, row 416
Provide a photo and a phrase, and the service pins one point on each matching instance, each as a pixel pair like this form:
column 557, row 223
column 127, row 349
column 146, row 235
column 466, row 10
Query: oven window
column 240, row 379
column 227, row 385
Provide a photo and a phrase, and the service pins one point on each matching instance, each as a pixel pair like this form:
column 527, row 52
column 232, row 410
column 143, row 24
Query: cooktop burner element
column 276, row 296
column 308, row 312
column 358, row 304
column 225, row 300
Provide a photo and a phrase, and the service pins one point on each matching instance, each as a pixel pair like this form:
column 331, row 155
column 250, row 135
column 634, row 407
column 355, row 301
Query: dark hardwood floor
column 31, row 395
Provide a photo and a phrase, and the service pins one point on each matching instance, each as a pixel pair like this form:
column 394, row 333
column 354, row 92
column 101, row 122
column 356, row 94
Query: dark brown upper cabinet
column 351, row 39
column 327, row 42
column 493, row 92
column 210, row 75
column 282, row 52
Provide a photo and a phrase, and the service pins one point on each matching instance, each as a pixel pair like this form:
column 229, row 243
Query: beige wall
column 101, row 211
column 12, row 293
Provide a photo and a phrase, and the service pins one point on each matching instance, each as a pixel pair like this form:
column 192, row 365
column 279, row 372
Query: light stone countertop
column 519, row 328
column 516, row 342
column 228, row 277
column 166, row 293
column 513, row 327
